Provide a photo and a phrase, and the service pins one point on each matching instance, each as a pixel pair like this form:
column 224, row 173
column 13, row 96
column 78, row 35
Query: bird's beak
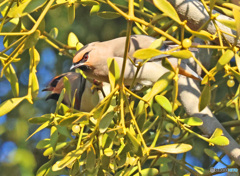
column 82, row 66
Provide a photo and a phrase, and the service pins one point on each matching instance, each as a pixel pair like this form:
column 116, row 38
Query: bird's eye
column 85, row 56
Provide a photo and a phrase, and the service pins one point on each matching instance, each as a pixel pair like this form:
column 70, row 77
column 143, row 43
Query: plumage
column 85, row 98
column 92, row 59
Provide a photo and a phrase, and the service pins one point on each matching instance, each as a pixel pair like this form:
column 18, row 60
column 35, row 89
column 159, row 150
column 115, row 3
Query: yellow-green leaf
column 43, row 126
column 67, row 86
column 60, row 99
column 217, row 132
column 164, row 102
column 11, row 76
column 182, row 54
column 54, row 32
column 163, row 82
column 157, row 44
column 71, row 13
column 237, row 59
column 95, row 9
column 220, row 140
column 236, row 15
column 72, row 39
column 24, row 8
column 9, row 105
column 192, row 121
column 168, row 9
column 50, row 150
column 147, row 53
column 229, row 23
column 45, row 168
column 114, row 72
column 173, row 148
column 205, row 97
column 224, row 59
column 108, row 15
column 236, row 74
column 147, row 172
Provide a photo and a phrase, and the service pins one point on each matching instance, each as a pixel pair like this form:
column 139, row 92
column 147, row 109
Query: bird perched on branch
column 86, row 96
column 92, row 59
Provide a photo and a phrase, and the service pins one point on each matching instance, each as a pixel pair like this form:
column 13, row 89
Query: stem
column 35, row 26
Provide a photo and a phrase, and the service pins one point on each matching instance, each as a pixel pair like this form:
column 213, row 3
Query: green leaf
column 106, row 121
column 108, row 15
column 89, row 2
column 9, row 105
column 54, row 32
column 220, row 140
column 67, row 86
column 182, row 54
column 72, row 40
column 168, row 9
column 31, row 40
column 60, row 99
column 224, row 59
column 114, row 72
column 45, row 168
column 147, row 53
column 173, row 148
column 212, row 154
column 95, row 9
column 71, row 13
column 63, row 130
column 24, row 8
column 11, row 76
column 41, row 119
column 205, row 97
column 192, row 121
column 8, row 40
column 91, row 159
column 147, row 172
column 45, row 143
column 164, row 102
column 53, row 137
column 167, row 65
column 134, row 144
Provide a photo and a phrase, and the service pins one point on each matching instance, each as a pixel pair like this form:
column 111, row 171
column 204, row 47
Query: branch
column 196, row 15
column 189, row 95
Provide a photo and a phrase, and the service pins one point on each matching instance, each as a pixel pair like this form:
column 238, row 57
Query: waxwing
column 86, row 98
column 92, row 59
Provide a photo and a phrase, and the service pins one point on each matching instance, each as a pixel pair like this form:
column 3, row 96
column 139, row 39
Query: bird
column 92, row 60
column 86, row 98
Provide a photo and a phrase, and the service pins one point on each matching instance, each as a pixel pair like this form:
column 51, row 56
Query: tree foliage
column 128, row 133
